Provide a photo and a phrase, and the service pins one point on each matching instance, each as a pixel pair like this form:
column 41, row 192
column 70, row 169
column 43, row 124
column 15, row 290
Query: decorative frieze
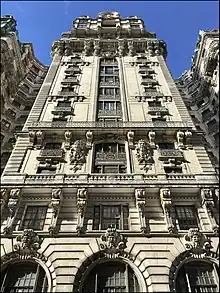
column 56, row 200
column 166, row 202
column 208, row 203
column 112, row 243
column 144, row 154
column 82, row 197
column 13, row 205
column 140, row 198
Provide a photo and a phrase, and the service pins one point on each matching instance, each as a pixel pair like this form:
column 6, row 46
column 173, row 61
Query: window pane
column 186, row 217
column 34, row 217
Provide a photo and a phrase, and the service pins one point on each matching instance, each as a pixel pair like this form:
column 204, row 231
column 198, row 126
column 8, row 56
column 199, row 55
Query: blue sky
column 178, row 23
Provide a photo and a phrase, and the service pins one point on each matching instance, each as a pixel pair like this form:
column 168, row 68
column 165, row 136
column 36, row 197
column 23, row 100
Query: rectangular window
column 63, row 104
column 172, row 170
column 46, row 170
column 34, row 217
column 166, row 146
column 186, row 217
column 115, row 215
column 154, row 104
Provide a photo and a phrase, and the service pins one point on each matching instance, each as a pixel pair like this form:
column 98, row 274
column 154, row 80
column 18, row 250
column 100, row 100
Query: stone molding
column 56, row 201
column 166, row 202
column 140, row 198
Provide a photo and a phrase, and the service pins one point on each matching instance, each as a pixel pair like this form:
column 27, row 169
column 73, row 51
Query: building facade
column 109, row 187
column 21, row 77
column 199, row 88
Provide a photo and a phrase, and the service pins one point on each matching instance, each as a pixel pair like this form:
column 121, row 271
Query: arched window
column 197, row 276
column 111, row 277
column 24, row 277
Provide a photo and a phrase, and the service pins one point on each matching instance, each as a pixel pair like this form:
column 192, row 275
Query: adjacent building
column 109, row 187
column 199, row 88
column 21, row 77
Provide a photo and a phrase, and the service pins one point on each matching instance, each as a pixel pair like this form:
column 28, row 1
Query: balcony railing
column 109, row 156
column 170, row 153
column 67, row 110
column 70, row 80
column 60, row 93
column 109, row 97
column 149, row 81
column 109, row 83
column 158, row 110
column 152, row 93
column 73, row 69
column 111, row 124
column 56, row 154
column 113, row 112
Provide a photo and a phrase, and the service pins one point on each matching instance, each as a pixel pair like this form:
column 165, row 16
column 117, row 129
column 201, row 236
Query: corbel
column 208, row 203
column 151, row 136
column 55, row 204
column 140, row 198
column 180, row 138
column 13, row 205
column 4, row 197
column 166, row 202
column 130, row 136
column 188, row 136
column 89, row 138
column 82, row 197
column 32, row 136
column 40, row 138
column 67, row 136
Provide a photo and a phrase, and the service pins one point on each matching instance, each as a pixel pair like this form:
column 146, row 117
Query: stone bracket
column 82, row 198
column 56, row 200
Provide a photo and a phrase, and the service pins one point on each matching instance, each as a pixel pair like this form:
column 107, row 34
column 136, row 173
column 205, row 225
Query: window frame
column 186, row 226
column 36, row 205
column 124, row 216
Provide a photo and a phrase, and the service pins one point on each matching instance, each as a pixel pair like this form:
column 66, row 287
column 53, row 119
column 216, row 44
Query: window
column 154, row 104
column 109, row 70
column 216, row 138
column 24, row 277
column 64, row 104
column 111, row 215
column 46, row 170
column 166, row 146
column 111, row 277
column 109, row 91
column 110, row 158
column 197, row 276
column 172, row 170
column 206, row 114
column 212, row 125
column 200, row 103
column 5, row 123
column 34, row 218
column 53, row 146
column 186, row 217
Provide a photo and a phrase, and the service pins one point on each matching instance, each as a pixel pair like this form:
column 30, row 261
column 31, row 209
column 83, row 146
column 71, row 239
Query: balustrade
column 51, row 153
column 109, row 156
column 170, row 153
column 109, row 112
column 158, row 109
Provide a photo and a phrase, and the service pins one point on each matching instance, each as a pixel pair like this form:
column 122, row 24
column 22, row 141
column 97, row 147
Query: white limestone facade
column 109, row 187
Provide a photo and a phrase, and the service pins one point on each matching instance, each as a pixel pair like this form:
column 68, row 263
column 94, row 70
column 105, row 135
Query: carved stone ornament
column 121, row 48
column 131, row 50
column 82, row 196
column 87, row 47
column 4, row 197
column 13, row 204
column 150, row 48
column 28, row 241
column 208, row 202
column 130, row 136
column 89, row 138
column 151, row 136
column 188, row 136
column 32, row 136
column 144, row 154
column 109, row 15
column 78, row 153
column 113, row 243
column 55, row 205
column 140, row 204
column 67, row 136
column 180, row 139
column 96, row 45
column 67, row 48
column 166, row 202
column 197, row 243
column 40, row 138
